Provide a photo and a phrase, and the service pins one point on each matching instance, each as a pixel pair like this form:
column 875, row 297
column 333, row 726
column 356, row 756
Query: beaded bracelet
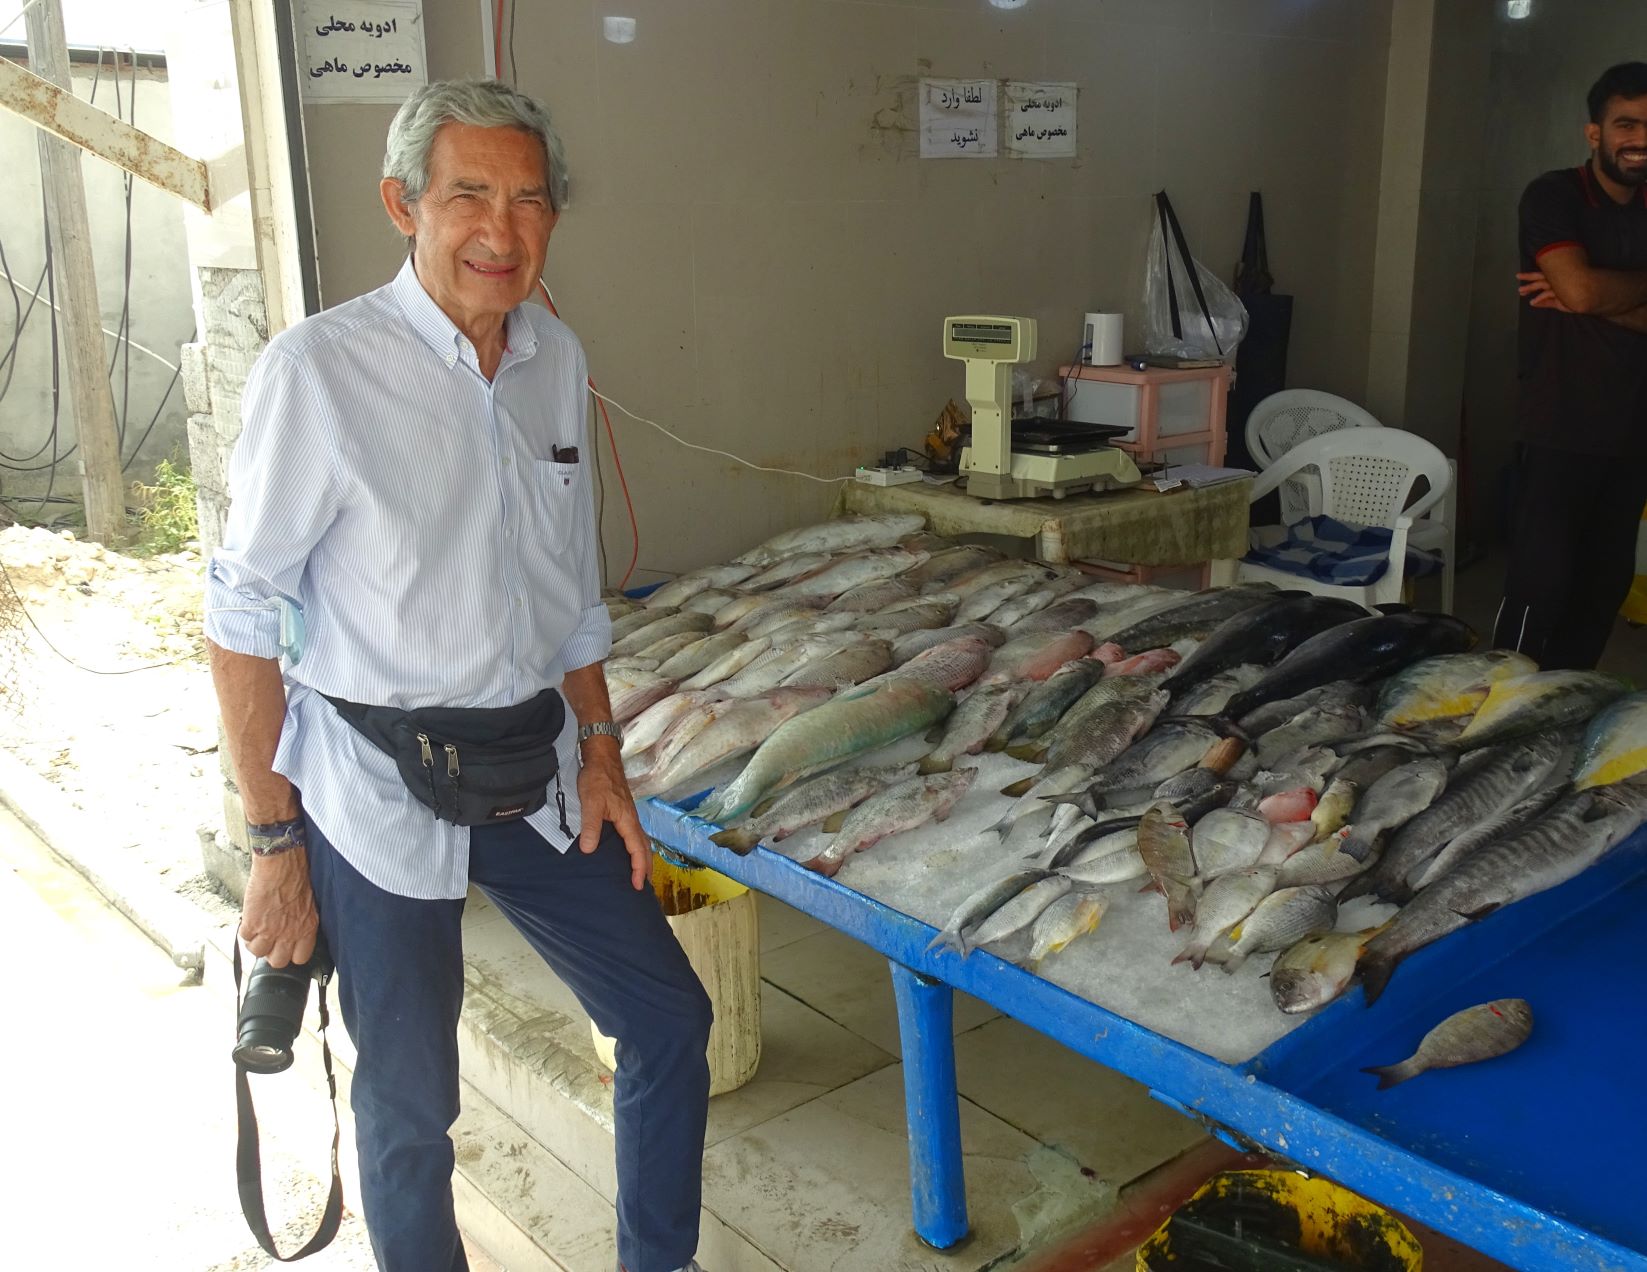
column 276, row 837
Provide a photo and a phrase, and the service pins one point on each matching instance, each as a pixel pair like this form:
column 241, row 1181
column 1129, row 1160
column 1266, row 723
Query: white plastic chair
column 1364, row 476
column 1284, row 420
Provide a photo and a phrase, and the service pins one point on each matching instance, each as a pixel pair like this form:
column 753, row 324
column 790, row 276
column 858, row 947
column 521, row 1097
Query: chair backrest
column 1367, row 475
column 1283, row 420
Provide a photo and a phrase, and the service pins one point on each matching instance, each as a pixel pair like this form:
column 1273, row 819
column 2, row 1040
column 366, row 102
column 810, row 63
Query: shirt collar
column 441, row 334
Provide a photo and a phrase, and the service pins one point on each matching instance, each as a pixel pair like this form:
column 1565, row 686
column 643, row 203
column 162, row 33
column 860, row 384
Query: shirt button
column 507, row 460
column 519, row 602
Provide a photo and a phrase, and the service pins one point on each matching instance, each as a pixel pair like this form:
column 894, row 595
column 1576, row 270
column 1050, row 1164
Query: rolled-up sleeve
column 284, row 492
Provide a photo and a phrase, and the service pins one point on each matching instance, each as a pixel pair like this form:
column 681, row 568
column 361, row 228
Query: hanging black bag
column 1261, row 360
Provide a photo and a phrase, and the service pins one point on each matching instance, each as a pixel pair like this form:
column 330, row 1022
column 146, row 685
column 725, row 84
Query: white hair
column 482, row 103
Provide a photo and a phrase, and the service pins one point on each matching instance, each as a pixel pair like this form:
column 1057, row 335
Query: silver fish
column 1511, row 819
column 650, row 725
column 918, row 642
column 1283, row 918
column 1021, row 912
column 849, row 572
column 668, row 647
column 1502, row 778
column 1322, row 863
column 1212, row 695
column 980, row 604
column 710, row 601
column 1168, row 749
column 1320, row 725
column 1108, row 733
column 1118, row 864
column 630, row 701
column 786, row 570
column 776, row 665
column 857, row 721
column 920, row 614
column 1036, row 656
column 1059, row 616
column 868, row 597
column 728, row 664
column 950, row 563
column 1272, row 715
column 1391, row 802
column 677, row 592
column 652, row 633
column 1568, row 839
column 1227, row 840
column 900, row 807
column 1045, row 703
column 693, row 658
column 1067, row 919
column 1000, row 571
column 1316, row 970
column 1227, row 901
column 810, row 803
column 955, row 664
column 971, row 724
column 633, row 621
column 844, row 534
column 1021, row 606
column 850, row 666
column 1477, row 1033
column 957, row 932
column 738, row 730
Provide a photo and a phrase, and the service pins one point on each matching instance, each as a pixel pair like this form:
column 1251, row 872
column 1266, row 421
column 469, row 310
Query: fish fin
column 1357, row 887
column 1033, row 752
column 741, row 841
column 764, row 807
column 996, row 744
column 824, row 865
column 1018, row 788
column 935, row 735
column 833, row 823
column 1375, row 971
column 1480, row 912
column 1192, row 955
column 1390, row 1075
column 933, row 764
column 1356, row 846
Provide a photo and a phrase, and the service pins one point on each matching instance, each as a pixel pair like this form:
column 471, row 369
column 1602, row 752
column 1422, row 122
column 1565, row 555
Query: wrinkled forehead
column 476, row 157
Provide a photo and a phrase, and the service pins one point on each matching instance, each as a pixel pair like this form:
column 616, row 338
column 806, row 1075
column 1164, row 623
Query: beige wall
column 756, row 257
column 1540, row 71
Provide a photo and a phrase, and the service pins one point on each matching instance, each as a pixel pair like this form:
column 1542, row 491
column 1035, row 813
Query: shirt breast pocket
column 556, row 494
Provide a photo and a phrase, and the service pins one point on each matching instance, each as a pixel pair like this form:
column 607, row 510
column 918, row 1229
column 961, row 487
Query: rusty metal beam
column 64, row 115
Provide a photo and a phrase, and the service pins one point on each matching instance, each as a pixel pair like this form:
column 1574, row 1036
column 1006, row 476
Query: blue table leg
column 937, row 1182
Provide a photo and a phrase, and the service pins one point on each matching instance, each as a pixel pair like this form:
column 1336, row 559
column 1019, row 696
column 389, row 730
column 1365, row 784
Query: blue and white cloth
column 413, row 516
column 1341, row 553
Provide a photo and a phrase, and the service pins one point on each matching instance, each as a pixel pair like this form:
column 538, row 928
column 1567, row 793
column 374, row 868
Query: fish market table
column 1185, row 527
column 1531, row 1158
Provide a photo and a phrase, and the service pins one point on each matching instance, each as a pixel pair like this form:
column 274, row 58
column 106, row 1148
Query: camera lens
column 271, row 1014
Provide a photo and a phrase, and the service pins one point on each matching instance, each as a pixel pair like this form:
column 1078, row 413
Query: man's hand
column 1538, row 292
column 604, row 792
column 278, row 919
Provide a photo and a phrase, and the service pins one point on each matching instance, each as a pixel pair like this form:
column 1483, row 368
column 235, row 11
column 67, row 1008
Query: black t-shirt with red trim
column 1583, row 379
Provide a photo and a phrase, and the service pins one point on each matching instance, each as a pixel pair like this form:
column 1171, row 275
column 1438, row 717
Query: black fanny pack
column 471, row 766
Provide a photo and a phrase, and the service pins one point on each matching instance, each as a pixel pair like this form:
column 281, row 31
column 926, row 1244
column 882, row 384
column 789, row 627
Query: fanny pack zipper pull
column 452, row 769
column 428, row 754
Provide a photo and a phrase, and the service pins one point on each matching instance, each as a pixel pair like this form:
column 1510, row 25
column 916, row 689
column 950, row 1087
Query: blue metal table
column 1531, row 1159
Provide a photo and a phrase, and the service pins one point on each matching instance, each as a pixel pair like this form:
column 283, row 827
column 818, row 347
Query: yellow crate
column 1333, row 1222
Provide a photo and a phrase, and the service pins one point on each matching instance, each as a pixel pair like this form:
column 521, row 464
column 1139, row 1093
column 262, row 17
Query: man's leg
column 1544, row 539
column 613, row 948
column 1605, row 563
column 400, row 987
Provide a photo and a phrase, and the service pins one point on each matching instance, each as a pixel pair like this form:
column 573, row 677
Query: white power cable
column 19, row 16
column 760, row 468
column 169, row 365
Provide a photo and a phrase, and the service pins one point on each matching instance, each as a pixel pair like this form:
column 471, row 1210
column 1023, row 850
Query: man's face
column 1620, row 140
column 481, row 229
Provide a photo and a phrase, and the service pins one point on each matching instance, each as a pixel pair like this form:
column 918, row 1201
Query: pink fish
column 1107, row 653
column 1144, row 664
column 1036, row 656
column 955, row 664
column 1289, row 806
column 1285, row 839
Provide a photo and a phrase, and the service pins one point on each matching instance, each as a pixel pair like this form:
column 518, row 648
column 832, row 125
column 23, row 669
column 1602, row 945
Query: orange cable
column 612, row 438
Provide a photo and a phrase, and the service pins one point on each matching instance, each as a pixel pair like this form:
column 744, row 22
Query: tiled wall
column 1541, row 69
column 756, row 257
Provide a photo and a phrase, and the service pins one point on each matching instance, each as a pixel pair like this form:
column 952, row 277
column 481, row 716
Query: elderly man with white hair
column 405, row 606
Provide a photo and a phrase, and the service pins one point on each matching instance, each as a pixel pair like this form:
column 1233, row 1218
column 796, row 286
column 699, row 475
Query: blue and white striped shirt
column 413, row 515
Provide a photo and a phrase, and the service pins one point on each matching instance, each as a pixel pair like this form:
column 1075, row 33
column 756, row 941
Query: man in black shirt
column 1583, row 387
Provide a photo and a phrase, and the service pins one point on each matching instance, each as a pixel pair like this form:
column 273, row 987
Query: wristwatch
column 600, row 728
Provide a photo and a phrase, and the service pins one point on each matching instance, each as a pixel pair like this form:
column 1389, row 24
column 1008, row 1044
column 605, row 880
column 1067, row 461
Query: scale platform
column 1053, row 458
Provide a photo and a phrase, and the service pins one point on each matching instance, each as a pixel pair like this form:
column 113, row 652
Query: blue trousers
column 400, row 988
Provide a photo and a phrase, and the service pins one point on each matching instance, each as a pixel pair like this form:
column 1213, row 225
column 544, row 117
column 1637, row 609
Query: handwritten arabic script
column 958, row 119
column 1042, row 120
column 362, row 50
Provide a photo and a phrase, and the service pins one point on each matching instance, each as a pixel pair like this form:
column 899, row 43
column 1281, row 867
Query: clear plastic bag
column 1208, row 325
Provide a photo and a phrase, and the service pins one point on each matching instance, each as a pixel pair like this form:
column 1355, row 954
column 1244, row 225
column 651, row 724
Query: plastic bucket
column 1267, row 1215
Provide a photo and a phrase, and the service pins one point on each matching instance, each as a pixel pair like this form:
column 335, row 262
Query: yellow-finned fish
column 1448, row 687
column 1614, row 747
column 1525, row 705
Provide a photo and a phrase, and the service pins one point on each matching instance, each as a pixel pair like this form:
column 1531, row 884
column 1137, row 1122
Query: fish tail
column 1194, row 954
column 1236, row 958
column 1018, row 788
column 1180, row 905
column 1390, row 1075
column 833, row 823
column 824, row 864
column 1375, row 971
column 935, row 763
column 950, row 940
column 1358, row 846
column 740, row 841
column 764, row 807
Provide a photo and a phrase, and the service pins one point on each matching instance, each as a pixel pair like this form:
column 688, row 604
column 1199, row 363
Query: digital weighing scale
column 1023, row 459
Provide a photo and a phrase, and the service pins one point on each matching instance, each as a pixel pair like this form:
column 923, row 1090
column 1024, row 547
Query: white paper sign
column 361, row 50
column 1040, row 120
column 958, row 119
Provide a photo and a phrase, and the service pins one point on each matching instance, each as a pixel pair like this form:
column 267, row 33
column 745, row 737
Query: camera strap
column 248, row 1159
